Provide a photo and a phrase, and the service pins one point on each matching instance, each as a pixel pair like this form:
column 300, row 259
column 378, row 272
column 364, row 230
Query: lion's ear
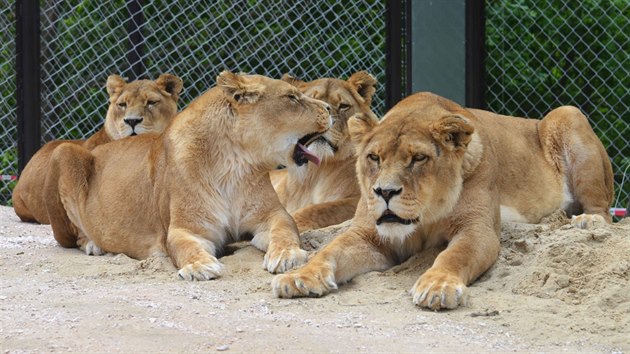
column 359, row 125
column 115, row 84
column 171, row 84
column 237, row 88
column 292, row 80
column 364, row 84
column 453, row 132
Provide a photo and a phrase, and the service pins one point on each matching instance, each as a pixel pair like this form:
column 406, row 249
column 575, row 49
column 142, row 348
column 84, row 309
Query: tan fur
column 153, row 101
column 201, row 184
column 448, row 170
column 318, row 196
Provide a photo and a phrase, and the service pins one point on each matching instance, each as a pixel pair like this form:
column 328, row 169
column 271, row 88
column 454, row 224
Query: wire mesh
column 544, row 54
column 539, row 55
column 8, row 109
column 84, row 42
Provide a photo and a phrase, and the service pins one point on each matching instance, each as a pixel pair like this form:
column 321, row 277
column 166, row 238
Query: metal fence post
column 28, row 80
column 475, row 54
column 134, row 28
column 393, row 56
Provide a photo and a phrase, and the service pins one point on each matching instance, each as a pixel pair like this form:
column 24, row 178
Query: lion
column 137, row 107
column 202, row 183
column 327, row 192
column 432, row 172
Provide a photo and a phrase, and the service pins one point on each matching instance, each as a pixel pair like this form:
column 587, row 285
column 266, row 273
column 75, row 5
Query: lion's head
column 272, row 117
column 345, row 98
column 411, row 165
column 141, row 106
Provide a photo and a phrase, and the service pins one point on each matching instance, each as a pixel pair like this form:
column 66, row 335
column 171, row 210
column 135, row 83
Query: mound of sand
column 553, row 288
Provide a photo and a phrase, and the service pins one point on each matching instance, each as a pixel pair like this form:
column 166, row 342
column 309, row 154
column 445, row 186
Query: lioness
column 137, row 107
column 318, row 196
column 433, row 172
column 202, row 183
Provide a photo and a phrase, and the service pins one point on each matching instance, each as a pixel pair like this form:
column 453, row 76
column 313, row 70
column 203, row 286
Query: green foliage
column 543, row 54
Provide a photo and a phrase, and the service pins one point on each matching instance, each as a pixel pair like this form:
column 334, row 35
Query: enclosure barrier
column 538, row 55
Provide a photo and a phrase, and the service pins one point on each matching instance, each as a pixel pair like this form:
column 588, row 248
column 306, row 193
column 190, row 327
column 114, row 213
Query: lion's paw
column 281, row 260
column 439, row 290
column 308, row 281
column 91, row 249
column 201, row 270
column 587, row 221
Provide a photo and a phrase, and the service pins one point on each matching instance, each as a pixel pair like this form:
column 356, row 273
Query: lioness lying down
column 318, row 196
column 138, row 107
column 433, row 172
column 203, row 183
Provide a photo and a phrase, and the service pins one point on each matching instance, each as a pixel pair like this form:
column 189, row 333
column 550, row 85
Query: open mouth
column 301, row 155
column 389, row 217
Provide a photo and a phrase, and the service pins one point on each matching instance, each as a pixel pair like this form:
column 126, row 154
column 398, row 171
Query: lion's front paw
column 308, row 281
column 439, row 290
column 280, row 260
column 587, row 221
column 201, row 270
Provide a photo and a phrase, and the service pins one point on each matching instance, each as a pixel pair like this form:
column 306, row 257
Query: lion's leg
column 472, row 249
column 353, row 252
column 325, row 214
column 570, row 143
column 66, row 188
column 193, row 255
column 470, row 253
column 20, row 208
column 280, row 241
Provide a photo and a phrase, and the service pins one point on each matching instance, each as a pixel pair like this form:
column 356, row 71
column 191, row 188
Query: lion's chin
column 395, row 232
column 394, row 228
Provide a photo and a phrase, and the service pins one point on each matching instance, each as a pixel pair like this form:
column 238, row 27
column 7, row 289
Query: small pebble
column 223, row 348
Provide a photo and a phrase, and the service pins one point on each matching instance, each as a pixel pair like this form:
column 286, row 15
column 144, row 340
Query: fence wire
column 539, row 55
column 8, row 108
column 544, row 54
column 84, row 42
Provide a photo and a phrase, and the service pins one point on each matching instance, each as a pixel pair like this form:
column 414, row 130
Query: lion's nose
column 387, row 194
column 132, row 122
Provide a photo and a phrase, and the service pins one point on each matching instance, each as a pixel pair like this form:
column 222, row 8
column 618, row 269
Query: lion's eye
column 151, row 103
column 293, row 97
column 122, row 105
column 373, row 157
column 419, row 158
column 344, row 106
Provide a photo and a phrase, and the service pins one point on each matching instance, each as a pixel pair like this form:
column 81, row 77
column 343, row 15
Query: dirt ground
column 554, row 288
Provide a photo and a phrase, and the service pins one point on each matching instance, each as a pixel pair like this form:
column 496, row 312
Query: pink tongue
column 309, row 155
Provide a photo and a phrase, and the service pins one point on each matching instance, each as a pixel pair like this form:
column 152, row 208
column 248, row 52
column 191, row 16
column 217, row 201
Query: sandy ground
column 553, row 289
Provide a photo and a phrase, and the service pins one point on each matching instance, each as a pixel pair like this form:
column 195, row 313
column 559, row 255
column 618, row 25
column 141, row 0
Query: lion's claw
column 201, row 271
column 284, row 260
column 437, row 290
column 304, row 283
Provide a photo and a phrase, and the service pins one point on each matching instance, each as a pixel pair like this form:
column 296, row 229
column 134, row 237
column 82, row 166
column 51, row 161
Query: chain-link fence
column 83, row 42
column 539, row 55
column 8, row 108
column 543, row 54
